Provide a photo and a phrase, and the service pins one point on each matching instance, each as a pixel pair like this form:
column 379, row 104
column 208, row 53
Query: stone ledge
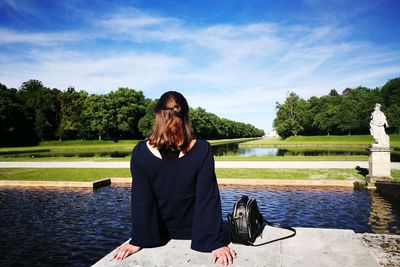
column 218, row 164
column 384, row 247
column 69, row 184
column 265, row 182
column 121, row 180
column 310, row 247
column 221, row 182
column 278, row 182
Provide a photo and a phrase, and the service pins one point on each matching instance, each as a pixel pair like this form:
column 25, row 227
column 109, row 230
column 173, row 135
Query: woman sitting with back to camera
column 174, row 190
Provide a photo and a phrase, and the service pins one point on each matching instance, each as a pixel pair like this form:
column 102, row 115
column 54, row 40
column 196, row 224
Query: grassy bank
column 76, row 174
column 61, row 174
column 291, row 174
column 88, row 145
column 217, row 158
column 65, row 146
column 104, row 150
column 328, row 140
column 82, row 150
column 62, row 159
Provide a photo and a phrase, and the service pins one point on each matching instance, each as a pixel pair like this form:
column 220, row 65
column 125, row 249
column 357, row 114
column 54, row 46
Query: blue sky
column 234, row 58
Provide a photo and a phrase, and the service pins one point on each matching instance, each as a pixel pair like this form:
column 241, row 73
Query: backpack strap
column 278, row 239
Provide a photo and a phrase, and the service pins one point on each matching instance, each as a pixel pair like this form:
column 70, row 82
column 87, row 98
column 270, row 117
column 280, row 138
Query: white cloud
column 102, row 74
column 133, row 19
column 9, row 37
column 228, row 69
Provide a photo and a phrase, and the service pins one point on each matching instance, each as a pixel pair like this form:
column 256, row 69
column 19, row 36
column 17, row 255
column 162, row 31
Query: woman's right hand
column 124, row 251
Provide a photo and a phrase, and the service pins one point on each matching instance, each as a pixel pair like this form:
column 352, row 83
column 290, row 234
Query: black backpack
column 246, row 223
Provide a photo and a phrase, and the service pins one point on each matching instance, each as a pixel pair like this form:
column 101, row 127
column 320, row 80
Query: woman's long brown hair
column 172, row 128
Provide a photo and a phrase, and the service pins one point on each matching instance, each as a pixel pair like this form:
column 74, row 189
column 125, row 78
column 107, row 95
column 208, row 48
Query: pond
column 56, row 227
column 218, row 150
column 237, row 150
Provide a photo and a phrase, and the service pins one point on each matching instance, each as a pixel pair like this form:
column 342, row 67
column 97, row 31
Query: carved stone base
column 379, row 164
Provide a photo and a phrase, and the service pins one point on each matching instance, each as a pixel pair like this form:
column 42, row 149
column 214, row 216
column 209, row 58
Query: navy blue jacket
column 176, row 198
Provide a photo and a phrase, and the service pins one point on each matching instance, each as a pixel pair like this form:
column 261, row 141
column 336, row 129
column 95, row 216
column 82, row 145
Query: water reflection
column 381, row 216
column 56, row 227
column 218, row 150
column 237, row 150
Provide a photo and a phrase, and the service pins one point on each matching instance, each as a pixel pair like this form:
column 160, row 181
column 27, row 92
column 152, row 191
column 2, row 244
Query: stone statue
column 377, row 127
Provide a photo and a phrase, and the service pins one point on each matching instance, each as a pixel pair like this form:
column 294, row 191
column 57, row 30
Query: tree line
column 35, row 113
column 345, row 113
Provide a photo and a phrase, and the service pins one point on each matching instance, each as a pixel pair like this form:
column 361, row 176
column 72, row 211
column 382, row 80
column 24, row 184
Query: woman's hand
column 124, row 251
column 224, row 254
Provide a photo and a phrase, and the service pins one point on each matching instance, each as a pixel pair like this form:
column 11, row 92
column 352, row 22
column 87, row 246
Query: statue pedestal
column 379, row 164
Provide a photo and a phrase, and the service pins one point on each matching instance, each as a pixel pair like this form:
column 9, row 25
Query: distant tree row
column 36, row 113
column 205, row 125
column 346, row 113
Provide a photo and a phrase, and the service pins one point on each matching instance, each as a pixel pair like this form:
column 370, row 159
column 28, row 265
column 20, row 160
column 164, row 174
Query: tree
column 145, row 124
column 391, row 92
column 95, row 113
column 41, row 107
column 290, row 116
column 391, row 96
column 333, row 92
column 71, row 112
column 347, row 116
column 127, row 107
column 203, row 123
column 363, row 100
column 326, row 114
column 36, row 113
column 209, row 126
column 393, row 117
column 15, row 128
column 313, row 108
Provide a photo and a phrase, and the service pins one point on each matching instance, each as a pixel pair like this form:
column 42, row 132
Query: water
column 56, row 227
column 237, row 150
column 218, row 150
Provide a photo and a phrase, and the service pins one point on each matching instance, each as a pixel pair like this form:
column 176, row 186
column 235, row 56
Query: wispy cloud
column 101, row 74
column 230, row 69
column 37, row 38
column 19, row 6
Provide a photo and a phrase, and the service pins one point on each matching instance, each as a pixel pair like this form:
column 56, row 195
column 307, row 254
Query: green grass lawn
column 62, row 159
column 61, row 174
column 327, row 140
column 217, row 158
column 291, row 174
column 76, row 174
column 75, row 145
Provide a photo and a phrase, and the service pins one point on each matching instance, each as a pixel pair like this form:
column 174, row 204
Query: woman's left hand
column 124, row 251
column 224, row 254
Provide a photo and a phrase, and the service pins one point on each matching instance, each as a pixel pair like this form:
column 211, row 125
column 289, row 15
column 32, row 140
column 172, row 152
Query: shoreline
column 218, row 164
column 222, row 182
